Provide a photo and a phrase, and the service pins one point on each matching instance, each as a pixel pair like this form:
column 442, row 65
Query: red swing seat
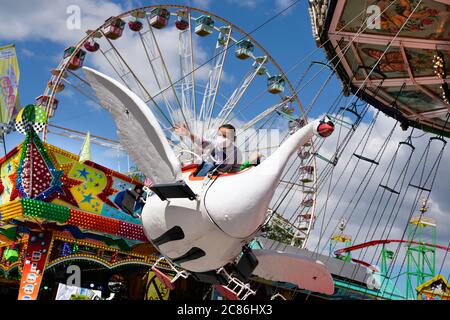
column 163, row 278
column 166, row 280
column 226, row 292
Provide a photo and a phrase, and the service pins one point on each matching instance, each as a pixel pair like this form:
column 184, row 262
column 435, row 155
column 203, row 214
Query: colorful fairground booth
column 57, row 211
column 436, row 288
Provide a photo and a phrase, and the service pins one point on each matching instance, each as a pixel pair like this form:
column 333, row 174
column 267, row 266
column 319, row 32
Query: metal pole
column 4, row 143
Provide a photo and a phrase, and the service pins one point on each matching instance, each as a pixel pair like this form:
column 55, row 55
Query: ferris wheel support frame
column 166, row 72
column 63, row 66
column 187, row 69
column 128, row 71
column 227, row 110
column 214, row 79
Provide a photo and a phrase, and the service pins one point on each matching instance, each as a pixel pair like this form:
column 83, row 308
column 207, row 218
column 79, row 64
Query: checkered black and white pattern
column 22, row 126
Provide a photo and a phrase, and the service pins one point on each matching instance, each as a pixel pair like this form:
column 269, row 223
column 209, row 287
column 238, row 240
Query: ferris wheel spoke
column 132, row 82
column 81, row 88
column 187, row 73
column 122, row 69
column 266, row 113
column 74, row 134
column 215, row 77
column 159, row 67
column 162, row 91
column 159, row 72
column 238, row 93
column 127, row 76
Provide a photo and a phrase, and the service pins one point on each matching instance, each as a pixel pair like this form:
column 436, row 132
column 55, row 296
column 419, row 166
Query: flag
column 9, row 86
column 85, row 153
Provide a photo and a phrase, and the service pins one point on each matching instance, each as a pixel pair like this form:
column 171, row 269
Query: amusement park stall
column 56, row 209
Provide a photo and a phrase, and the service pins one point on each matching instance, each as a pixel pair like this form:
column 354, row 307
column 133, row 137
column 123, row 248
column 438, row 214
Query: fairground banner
column 9, row 86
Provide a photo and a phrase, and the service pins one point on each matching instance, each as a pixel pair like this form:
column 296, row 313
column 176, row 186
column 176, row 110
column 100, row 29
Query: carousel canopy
column 391, row 50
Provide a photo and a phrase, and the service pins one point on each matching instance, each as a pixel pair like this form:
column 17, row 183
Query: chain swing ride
column 305, row 185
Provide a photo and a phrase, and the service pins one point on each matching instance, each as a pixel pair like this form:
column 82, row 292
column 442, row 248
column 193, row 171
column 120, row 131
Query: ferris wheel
column 195, row 68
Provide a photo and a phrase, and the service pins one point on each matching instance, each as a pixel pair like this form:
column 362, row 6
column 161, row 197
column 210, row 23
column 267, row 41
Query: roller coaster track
column 382, row 242
column 378, row 242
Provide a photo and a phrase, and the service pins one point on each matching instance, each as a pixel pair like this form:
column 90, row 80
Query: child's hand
column 255, row 158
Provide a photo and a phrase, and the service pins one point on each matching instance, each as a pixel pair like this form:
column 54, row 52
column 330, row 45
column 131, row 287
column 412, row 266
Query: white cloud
column 27, row 53
column 201, row 4
column 46, row 19
column 369, row 220
column 283, row 4
column 246, row 3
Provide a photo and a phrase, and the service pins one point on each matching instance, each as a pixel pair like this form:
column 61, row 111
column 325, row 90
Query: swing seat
column 235, row 289
column 226, row 292
column 163, row 278
column 166, row 280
